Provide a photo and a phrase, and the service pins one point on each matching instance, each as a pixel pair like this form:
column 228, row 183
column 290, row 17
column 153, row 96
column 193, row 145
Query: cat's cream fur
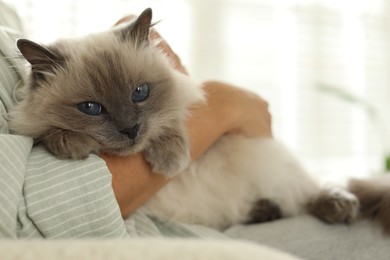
column 238, row 180
column 230, row 178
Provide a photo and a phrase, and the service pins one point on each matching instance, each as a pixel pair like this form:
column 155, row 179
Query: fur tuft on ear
column 138, row 31
column 42, row 59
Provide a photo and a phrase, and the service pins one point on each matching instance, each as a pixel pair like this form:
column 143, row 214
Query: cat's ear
column 138, row 31
column 42, row 59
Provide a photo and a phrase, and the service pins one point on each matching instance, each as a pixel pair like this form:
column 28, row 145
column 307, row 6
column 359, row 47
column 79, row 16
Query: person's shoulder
column 9, row 17
column 12, row 68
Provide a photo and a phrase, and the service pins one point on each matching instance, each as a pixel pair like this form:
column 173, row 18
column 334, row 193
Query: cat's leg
column 169, row 154
column 334, row 205
column 264, row 210
column 66, row 144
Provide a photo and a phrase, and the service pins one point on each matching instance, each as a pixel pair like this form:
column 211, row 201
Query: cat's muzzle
column 131, row 132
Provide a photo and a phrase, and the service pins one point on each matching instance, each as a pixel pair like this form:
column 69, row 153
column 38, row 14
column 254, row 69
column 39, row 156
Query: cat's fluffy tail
column 374, row 196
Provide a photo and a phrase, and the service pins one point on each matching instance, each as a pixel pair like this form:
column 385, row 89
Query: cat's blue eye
column 90, row 108
column 141, row 93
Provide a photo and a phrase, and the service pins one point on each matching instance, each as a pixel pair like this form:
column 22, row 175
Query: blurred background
column 323, row 65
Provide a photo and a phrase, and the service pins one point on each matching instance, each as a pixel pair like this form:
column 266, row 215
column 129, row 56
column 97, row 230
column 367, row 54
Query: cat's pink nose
column 131, row 132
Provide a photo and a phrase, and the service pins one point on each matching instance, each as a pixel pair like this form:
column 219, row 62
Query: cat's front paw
column 335, row 205
column 168, row 155
column 69, row 145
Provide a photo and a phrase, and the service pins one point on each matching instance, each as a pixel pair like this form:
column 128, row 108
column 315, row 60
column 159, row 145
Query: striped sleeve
column 68, row 199
column 13, row 156
column 14, row 150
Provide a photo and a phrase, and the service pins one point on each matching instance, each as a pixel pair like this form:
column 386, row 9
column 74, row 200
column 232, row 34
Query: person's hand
column 228, row 110
column 245, row 112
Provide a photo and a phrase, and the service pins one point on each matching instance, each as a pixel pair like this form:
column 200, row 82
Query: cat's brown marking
column 42, row 59
column 334, row 206
column 374, row 197
column 264, row 210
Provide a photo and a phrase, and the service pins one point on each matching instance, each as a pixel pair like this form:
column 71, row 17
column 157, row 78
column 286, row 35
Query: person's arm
column 229, row 110
column 133, row 181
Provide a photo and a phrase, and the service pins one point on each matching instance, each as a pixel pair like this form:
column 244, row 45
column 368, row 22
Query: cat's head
column 111, row 91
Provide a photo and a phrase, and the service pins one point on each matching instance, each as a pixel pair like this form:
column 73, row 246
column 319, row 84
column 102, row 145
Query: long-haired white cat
column 115, row 92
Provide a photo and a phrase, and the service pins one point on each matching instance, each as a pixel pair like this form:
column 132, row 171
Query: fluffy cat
column 115, row 92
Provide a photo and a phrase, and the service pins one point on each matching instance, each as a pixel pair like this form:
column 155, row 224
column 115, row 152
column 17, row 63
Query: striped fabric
column 43, row 197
